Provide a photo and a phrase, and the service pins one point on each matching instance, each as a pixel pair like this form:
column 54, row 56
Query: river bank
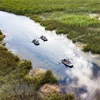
column 95, row 58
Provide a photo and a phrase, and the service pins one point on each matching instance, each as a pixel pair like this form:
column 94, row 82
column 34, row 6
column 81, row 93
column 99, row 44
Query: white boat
column 36, row 42
column 66, row 62
column 43, row 38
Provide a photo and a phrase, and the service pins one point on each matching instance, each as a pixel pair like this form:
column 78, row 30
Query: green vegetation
column 42, row 6
column 12, row 78
column 46, row 78
column 1, row 36
column 69, row 17
column 60, row 97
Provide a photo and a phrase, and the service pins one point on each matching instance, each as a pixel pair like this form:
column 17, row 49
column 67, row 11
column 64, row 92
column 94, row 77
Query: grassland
column 69, row 17
column 15, row 83
column 42, row 6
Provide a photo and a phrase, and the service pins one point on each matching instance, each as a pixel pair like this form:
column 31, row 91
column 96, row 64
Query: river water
column 83, row 78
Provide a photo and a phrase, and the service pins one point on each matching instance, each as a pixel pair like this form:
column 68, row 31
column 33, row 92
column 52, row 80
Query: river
column 83, row 78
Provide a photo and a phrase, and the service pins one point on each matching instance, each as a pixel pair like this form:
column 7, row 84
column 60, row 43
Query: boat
column 36, row 42
column 66, row 62
column 43, row 38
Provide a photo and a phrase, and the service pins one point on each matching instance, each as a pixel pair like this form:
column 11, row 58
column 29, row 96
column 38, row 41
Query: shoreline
column 95, row 57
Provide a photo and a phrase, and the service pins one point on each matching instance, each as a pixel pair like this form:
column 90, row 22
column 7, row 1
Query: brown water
column 83, row 78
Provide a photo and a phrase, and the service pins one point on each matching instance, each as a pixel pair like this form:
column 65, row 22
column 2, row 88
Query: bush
column 25, row 64
column 68, row 97
column 1, row 37
column 60, row 97
column 49, row 78
column 54, row 97
column 0, row 32
column 87, row 48
column 46, row 78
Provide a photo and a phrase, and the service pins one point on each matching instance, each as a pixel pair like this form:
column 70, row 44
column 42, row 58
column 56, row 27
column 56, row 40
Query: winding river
column 83, row 78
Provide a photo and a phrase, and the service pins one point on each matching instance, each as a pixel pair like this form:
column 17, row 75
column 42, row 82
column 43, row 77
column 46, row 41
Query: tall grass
column 80, row 21
column 42, row 6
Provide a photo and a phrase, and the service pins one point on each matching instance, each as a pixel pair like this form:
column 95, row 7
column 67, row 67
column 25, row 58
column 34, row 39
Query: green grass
column 60, row 97
column 1, row 36
column 42, row 6
column 79, row 21
column 13, row 76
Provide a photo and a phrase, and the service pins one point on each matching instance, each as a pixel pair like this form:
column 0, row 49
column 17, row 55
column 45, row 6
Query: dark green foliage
column 60, row 97
column 25, row 64
column 54, row 97
column 87, row 48
column 68, row 97
column 12, row 78
column 0, row 32
column 46, row 78
column 1, row 37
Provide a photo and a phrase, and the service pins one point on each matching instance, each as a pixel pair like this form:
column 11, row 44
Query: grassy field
column 42, row 6
column 71, row 17
column 15, row 83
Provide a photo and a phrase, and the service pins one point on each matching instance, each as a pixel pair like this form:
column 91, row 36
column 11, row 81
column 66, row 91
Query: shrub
column 46, row 78
column 54, row 97
column 25, row 64
column 0, row 32
column 49, row 78
column 68, row 97
column 1, row 37
column 60, row 97
column 87, row 48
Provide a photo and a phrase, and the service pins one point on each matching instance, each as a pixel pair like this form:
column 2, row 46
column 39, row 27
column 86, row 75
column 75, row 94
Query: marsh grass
column 13, row 83
column 80, row 21
column 43, row 6
column 60, row 97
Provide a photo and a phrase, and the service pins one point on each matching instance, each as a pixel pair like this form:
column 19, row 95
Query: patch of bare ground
column 48, row 89
column 36, row 72
column 80, row 45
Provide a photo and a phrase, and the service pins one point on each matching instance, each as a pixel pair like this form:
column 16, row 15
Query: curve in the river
column 20, row 32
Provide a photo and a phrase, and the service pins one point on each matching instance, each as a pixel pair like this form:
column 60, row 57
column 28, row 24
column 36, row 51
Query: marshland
column 64, row 23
